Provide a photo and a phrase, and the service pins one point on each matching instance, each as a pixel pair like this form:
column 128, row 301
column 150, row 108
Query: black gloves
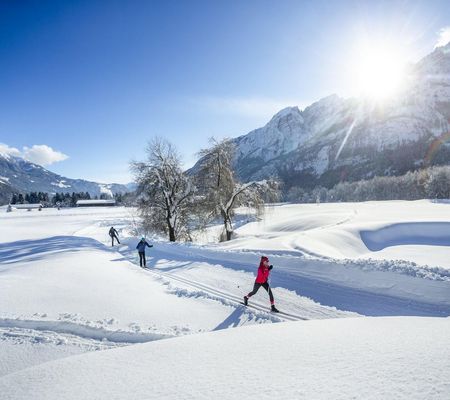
column 270, row 267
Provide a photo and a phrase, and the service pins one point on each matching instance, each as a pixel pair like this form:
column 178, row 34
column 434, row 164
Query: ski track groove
column 225, row 295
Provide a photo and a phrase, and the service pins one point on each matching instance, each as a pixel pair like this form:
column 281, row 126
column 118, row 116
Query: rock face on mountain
column 339, row 139
column 6, row 191
column 19, row 175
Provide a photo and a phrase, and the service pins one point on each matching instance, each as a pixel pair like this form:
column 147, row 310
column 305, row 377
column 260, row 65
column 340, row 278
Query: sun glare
column 380, row 73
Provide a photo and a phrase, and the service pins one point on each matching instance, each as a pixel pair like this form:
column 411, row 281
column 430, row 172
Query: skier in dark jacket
column 114, row 235
column 262, row 279
column 141, row 250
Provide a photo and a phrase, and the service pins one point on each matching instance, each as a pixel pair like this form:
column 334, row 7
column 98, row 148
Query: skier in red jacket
column 262, row 279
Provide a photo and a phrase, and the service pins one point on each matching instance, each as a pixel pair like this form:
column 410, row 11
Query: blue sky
column 92, row 82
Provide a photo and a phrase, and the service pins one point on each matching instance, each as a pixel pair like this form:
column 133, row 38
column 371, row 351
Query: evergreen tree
column 73, row 200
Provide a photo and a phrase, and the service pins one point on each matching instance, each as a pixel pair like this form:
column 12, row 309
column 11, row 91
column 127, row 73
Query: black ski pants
column 266, row 286
column 112, row 239
column 142, row 259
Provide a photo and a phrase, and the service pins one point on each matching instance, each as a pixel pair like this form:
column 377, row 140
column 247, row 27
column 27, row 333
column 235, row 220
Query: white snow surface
column 65, row 293
column 363, row 358
column 60, row 184
column 64, row 289
column 377, row 229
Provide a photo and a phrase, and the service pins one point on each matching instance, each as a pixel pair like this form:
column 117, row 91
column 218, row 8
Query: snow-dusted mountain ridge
column 17, row 174
column 389, row 138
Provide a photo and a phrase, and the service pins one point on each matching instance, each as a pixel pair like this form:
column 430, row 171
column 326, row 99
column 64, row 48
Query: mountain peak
column 25, row 176
column 4, row 155
column 286, row 111
column 300, row 147
column 444, row 48
column 327, row 101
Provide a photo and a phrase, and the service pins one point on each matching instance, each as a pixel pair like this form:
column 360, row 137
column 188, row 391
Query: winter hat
column 261, row 263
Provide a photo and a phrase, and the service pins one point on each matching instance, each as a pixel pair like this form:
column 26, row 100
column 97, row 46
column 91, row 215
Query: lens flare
column 380, row 73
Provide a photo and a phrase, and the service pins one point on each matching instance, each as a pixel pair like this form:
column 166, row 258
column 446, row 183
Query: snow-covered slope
column 25, row 176
column 365, row 358
column 347, row 139
column 64, row 290
column 65, row 294
column 330, row 252
column 354, row 231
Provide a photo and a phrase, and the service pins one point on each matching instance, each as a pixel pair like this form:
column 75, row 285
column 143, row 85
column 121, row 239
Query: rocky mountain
column 19, row 175
column 339, row 139
column 6, row 192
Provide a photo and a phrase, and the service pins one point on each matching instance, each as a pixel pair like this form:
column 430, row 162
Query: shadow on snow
column 33, row 250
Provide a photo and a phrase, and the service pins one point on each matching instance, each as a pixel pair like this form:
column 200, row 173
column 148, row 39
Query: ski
column 281, row 313
column 256, row 308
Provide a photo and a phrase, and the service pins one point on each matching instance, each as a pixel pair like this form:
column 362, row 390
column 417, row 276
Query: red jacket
column 263, row 272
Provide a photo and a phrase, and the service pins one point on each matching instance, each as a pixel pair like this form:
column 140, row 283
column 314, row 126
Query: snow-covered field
column 377, row 230
column 64, row 293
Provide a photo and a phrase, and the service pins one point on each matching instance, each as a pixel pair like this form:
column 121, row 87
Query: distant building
column 29, row 207
column 95, row 203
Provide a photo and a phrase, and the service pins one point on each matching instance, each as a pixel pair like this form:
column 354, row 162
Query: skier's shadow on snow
column 33, row 250
column 232, row 321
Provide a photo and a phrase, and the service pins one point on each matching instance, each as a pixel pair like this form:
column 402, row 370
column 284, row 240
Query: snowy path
column 328, row 283
column 224, row 297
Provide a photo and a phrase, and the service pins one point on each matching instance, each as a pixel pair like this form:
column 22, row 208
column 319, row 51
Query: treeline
column 30, row 198
column 431, row 183
column 66, row 199
column 177, row 203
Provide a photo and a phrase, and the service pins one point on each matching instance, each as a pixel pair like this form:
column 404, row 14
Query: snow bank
column 23, row 348
column 414, row 231
column 364, row 358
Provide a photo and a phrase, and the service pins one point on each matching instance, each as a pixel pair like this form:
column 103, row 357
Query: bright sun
column 380, row 73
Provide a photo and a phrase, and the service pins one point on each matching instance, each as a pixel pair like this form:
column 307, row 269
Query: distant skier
column 141, row 250
column 262, row 279
column 114, row 235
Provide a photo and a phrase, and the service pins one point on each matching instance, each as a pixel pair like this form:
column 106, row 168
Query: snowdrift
column 364, row 358
column 414, row 231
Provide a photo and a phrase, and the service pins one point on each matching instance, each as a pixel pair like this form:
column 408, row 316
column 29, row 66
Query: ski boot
column 273, row 308
column 245, row 300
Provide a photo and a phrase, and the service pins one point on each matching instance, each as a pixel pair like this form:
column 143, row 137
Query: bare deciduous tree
column 221, row 192
column 165, row 192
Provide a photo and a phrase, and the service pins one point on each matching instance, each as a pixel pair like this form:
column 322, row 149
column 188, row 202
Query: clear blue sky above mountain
column 96, row 80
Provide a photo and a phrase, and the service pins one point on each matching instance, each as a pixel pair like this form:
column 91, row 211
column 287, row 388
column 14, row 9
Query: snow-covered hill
column 79, row 318
column 366, row 358
column 25, row 177
column 348, row 139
